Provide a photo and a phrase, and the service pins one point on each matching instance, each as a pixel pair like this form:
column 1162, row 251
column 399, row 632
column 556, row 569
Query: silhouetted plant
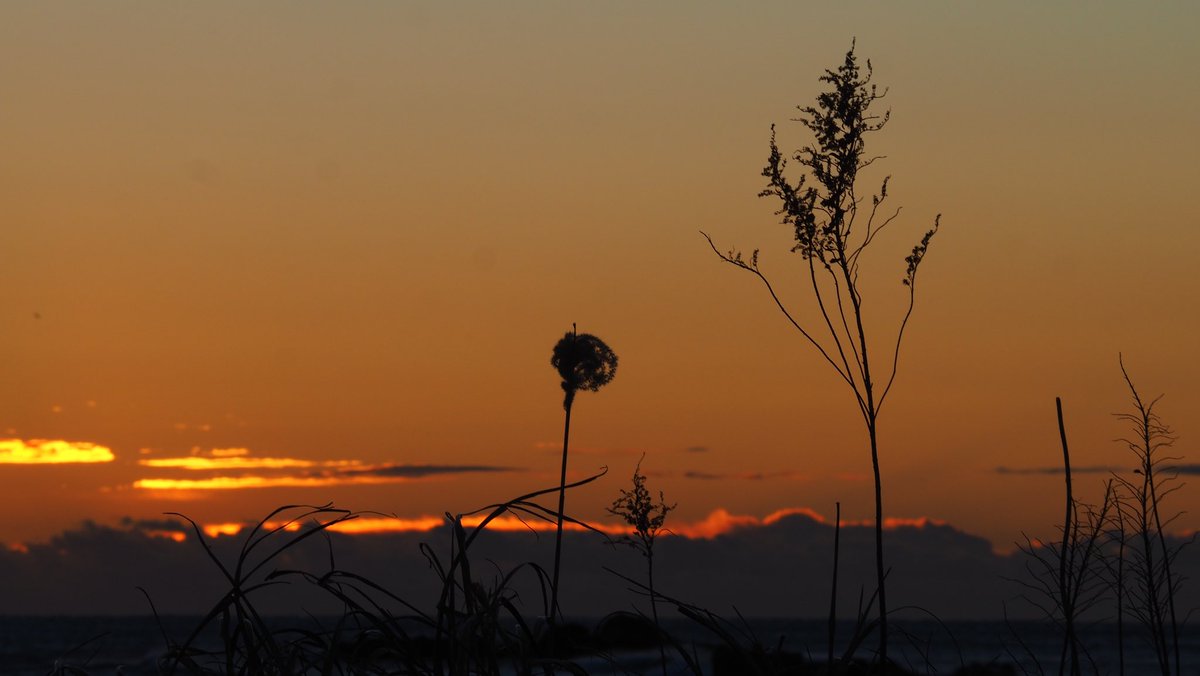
column 481, row 626
column 1153, row 588
column 585, row 363
column 249, row 644
column 476, row 628
column 1119, row 548
column 1115, row 563
column 830, row 237
column 1067, row 577
column 646, row 517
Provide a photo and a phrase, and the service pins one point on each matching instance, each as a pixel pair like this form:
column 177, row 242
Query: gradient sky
column 350, row 234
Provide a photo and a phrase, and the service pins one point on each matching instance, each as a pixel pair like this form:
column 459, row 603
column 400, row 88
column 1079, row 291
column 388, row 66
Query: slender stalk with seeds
column 585, row 363
column 646, row 517
column 833, row 226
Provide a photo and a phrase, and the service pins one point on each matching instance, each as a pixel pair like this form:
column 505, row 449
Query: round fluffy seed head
column 584, row 362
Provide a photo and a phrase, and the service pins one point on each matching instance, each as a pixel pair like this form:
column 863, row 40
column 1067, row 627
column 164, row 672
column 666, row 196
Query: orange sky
column 350, row 236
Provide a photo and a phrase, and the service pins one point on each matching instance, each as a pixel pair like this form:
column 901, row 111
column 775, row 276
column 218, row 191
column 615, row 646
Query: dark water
column 99, row 645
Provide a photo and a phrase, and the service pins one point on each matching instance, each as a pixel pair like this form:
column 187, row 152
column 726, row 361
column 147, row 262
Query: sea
column 132, row 646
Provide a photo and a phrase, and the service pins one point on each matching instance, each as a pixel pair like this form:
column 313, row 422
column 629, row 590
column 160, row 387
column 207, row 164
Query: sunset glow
column 213, row 530
column 51, row 452
column 718, row 522
column 177, row 536
column 321, row 254
column 260, row 472
column 198, row 463
column 223, row 483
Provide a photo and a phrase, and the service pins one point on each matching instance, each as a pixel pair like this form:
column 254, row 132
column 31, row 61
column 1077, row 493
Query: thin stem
column 879, row 570
column 837, row 536
column 1120, row 516
column 1067, row 599
column 782, row 308
column 562, row 499
column 662, row 652
column 812, row 274
column 912, row 301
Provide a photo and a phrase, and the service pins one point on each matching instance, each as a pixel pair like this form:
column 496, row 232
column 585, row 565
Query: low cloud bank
column 774, row 567
column 282, row 472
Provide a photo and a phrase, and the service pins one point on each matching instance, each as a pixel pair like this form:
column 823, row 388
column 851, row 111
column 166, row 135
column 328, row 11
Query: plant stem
column 1063, row 588
column 1121, row 590
column 837, row 535
column 879, row 572
column 1162, row 539
column 562, row 499
column 662, row 652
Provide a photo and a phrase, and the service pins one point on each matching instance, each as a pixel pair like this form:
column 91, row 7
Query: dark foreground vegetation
column 1107, row 584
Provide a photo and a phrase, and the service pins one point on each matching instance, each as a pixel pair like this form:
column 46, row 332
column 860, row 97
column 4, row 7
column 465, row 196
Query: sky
column 303, row 252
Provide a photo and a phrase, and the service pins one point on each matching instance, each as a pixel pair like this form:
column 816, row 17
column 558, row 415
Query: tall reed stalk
column 585, row 363
column 833, row 226
column 1067, row 551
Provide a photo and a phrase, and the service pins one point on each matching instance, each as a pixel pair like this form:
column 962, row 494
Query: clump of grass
column 248, row 644
column 469, row 614
column 477, row 626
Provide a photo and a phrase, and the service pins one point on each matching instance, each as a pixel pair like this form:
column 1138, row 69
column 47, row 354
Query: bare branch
column 737, row 261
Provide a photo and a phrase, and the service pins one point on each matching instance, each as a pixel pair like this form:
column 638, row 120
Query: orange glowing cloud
column 177, row 536
column 781, row 514
column 212, row 530
column 199, row 463
column 894, row 522
column 721, row 522
column 375, row 525
column 51, row 452
column 220, row 483
column 314, row 473
column 718, row 522
column 428, row 523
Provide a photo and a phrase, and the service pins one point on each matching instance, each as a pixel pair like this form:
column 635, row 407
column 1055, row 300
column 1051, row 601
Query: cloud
column 229, row 462
column 772, row 566
column 228, row 452
column 221, row 483
column 696, row 449
column 1087, row 469
column 379, row 525
column 239, row 470
column 52, row 452
column 747, row 476
column 419, row 471
column 720, row 522
column 343, row 474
